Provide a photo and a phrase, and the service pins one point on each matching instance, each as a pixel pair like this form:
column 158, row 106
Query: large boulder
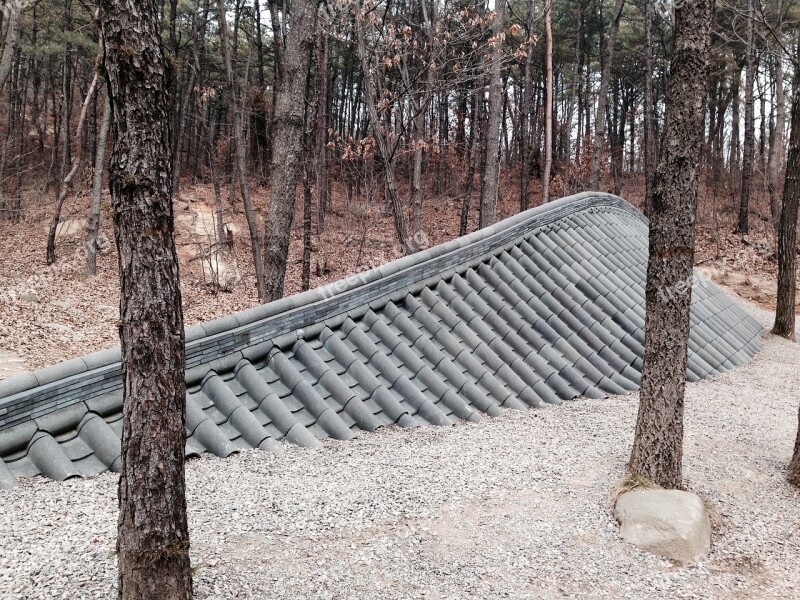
column 669, row 523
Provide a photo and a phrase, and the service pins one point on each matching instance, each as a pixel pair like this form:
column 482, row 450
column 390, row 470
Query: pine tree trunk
column 287, row 143
column 153, row 536
column 527, row 107
column 491, row 174
column 787, row 230
column 322, row 177
column 748, row 149
column 776, row 143
column 548, row 110
column 93, row 226
column 12, row 10
column 658, row 445
column 649, row 112
column 473, row 159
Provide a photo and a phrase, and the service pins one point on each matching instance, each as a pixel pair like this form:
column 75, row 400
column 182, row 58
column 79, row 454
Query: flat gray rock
column 670, row 523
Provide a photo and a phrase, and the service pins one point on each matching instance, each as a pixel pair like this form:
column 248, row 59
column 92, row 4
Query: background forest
column 411, row 122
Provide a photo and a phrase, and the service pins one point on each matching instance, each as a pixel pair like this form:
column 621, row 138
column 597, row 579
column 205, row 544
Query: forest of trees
column 408, row 100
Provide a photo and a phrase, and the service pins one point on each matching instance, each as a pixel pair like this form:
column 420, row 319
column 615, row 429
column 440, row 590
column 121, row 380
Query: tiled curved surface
column 541, row 308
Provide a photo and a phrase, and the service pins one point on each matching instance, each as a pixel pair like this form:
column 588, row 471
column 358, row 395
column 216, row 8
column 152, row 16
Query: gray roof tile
column 540, row 308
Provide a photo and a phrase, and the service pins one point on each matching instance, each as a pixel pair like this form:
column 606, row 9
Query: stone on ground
column 670, row 523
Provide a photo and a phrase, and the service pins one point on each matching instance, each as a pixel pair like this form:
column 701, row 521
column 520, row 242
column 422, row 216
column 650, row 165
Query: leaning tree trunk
column 153, row 535
column 602, row 96
column 287, row 142
column 97, row 191
column 658, row 446
column 491, row 173
column 748, row 149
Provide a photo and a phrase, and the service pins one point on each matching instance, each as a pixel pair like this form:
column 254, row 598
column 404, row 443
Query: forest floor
column 51, row 314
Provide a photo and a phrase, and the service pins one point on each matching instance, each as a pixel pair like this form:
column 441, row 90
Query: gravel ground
column 513, row 507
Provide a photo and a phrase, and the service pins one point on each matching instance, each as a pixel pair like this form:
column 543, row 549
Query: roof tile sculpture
column 543, row 307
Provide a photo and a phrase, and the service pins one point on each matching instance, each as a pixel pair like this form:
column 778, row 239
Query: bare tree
column 153, row 535
column 658, row 445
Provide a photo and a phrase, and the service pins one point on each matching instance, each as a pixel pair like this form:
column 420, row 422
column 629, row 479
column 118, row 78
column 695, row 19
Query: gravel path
column 513, row 507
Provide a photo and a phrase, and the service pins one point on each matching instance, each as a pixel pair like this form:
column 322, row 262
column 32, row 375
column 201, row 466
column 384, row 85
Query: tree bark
column 153, row 536
column 649, row 112
column 12, row 10
column 491, row 173
column 97, row 190
column 602, row 95
column 548, row 110
column 287, row 142
column 748, row 149
column 787, row 230
column 776, row 143
column 658, row 445
column 527, row 107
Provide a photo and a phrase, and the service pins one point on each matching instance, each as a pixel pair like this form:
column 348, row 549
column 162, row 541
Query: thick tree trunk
column 287, row 143
column 491, row 173
column 548, row 109
column 97, row 190
column 153, row 536
column 602, row 96
column 748, row 150
column 658, row 446
column 787, row 230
